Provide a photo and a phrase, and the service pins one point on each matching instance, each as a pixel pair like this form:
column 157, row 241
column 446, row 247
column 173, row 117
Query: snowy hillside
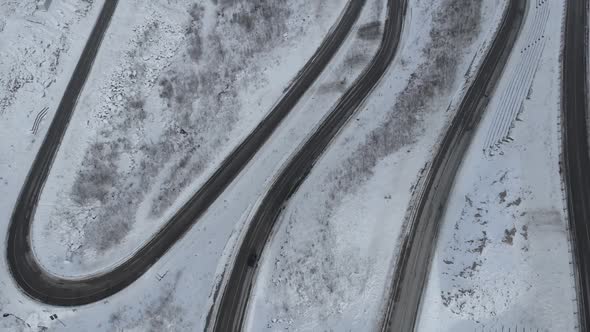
column 502, row 258
column 327, row 266
column 177, row 86
column 167, row 101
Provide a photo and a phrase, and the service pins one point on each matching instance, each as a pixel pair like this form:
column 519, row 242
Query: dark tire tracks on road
column 229, row 311
column 413, row 262
column 22, row 263
column 575, row 158
column 45, row 287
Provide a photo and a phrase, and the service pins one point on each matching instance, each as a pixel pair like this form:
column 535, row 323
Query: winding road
column 576, row 160
column 418, row 245
column 229, row 312
column 45, row 287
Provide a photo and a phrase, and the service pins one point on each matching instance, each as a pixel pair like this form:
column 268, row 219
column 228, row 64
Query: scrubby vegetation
column 167, row 119
column 34, row 58
column 312, row 271
column 162, row 313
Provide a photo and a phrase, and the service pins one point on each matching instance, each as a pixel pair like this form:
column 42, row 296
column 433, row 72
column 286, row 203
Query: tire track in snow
column 40, row 116
column 511, row 101
column 517, row 89
column 537, row 41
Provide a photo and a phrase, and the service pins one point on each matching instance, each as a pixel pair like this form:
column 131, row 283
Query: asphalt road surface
column 229, row 313
column 47, row 288
column 575, row 147
column 415, row 256
column 20, row 259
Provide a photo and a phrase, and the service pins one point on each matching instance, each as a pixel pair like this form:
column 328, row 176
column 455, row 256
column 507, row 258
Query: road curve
column 51, row 289
column 18, row 247
column 228, row 313
column 413, row 263
column 576, row 162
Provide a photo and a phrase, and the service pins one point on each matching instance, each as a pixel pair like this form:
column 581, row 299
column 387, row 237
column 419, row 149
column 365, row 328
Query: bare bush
column 162, row 313
column 309, row 273
column 453, row 28
column 199, row 110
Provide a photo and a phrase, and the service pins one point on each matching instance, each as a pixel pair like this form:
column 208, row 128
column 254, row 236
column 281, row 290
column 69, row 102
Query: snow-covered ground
column 328, row 265
column 177, row 292
column 361, row 226
column 503, row 258
column 175, row 87
column 38, row 47
column 588, row 78
column 38, row 52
